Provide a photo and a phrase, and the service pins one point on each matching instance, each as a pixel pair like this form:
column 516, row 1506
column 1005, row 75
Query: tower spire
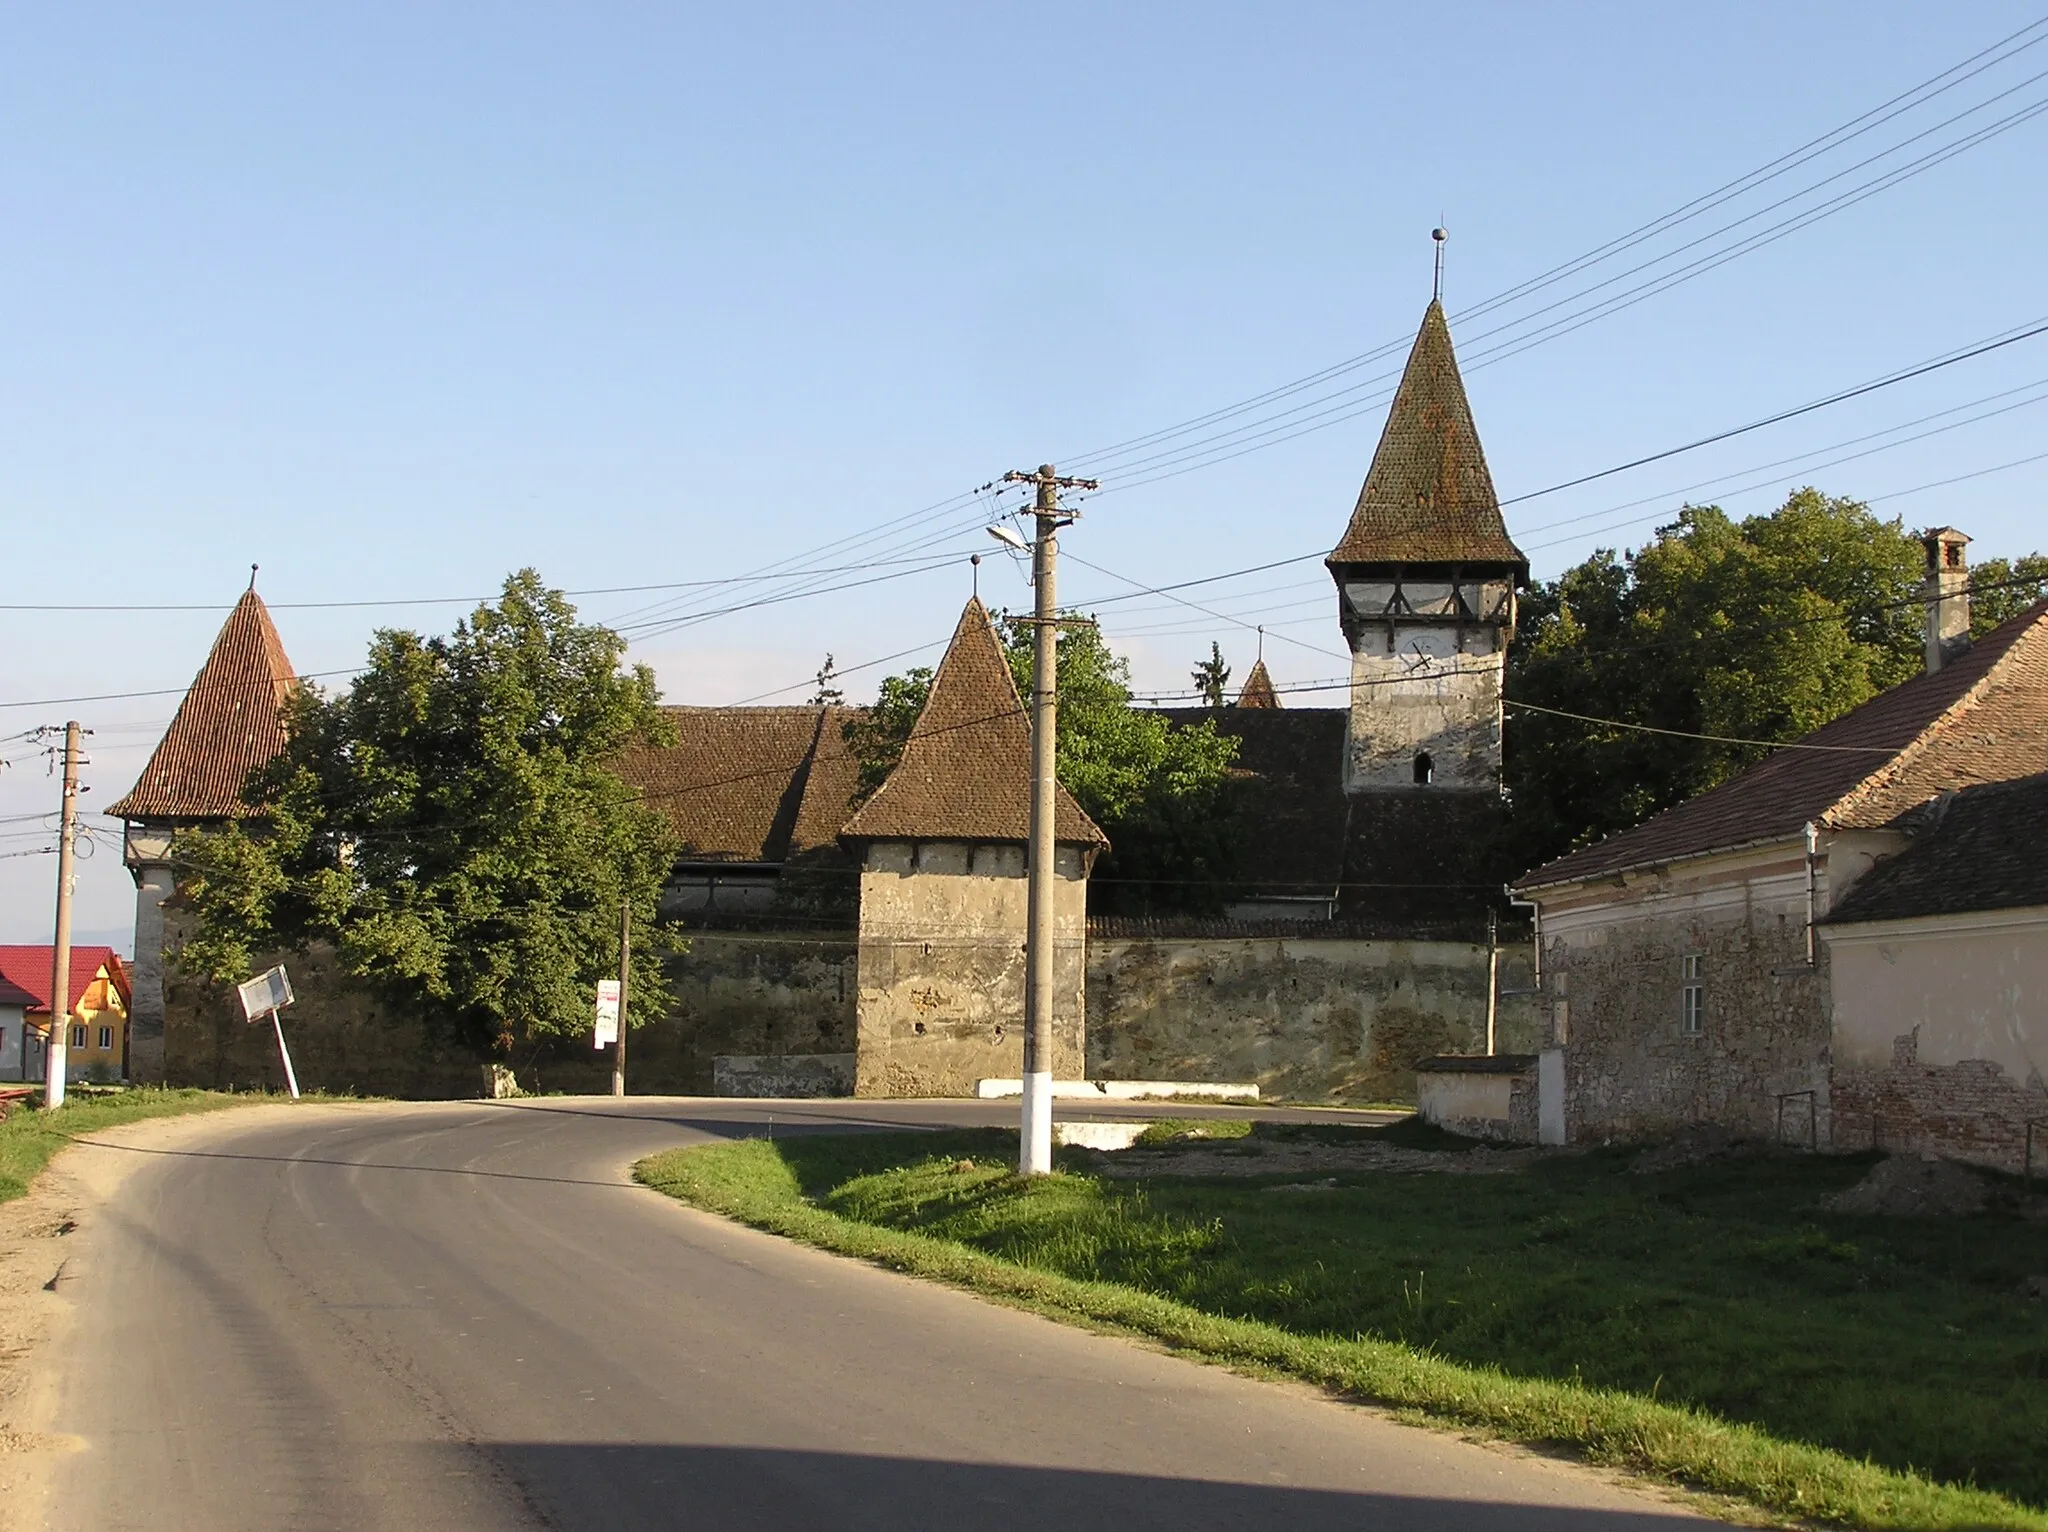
column 1439, row 234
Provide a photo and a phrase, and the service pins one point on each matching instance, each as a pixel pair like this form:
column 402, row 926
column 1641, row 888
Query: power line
column 1936, row 85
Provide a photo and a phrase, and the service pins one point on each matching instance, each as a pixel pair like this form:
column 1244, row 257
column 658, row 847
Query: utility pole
column 60, row 978
column 1034, row 1138
column 625, row 964
column 1492, row 979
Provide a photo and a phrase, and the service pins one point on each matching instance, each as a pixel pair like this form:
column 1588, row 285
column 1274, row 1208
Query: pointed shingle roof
column 1258, row 689
column 229, row 724
column 1428, row 498
column 1982, row 717
column 966, row 769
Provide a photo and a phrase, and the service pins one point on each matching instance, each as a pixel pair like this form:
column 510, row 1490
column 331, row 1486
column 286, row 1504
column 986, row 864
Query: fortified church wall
column 876, row 947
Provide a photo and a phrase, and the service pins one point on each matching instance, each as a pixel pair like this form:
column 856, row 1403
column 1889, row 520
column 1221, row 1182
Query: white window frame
column 1692, row 995
column 106, row 1037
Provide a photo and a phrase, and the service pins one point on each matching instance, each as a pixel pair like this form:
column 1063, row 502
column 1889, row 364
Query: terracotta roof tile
column 734, row 781
column 1986, row 849
column 966, row 769
column 228, row 725
column 1428, row 497
column 1981, row 718
column 1258, row 689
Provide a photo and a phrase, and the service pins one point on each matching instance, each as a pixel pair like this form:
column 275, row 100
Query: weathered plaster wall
column 1941, row 1034
column 1425, row 688
column 1498, row 1105
column 1617, row 956
column 1305, row 1018
column 942, row 967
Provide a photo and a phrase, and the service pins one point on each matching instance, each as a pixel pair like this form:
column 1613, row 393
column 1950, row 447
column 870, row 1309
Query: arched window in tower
column 1425, row 769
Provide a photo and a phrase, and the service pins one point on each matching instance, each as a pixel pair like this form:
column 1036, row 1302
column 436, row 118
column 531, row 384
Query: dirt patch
column 1252, row 1158
column 1905, row 1186
column 1696, row 1145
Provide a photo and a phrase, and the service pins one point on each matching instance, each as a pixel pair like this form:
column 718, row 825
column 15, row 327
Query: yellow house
column 98, row 1010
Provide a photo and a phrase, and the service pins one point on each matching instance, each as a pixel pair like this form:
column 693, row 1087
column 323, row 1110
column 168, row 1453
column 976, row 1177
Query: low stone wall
column 736, row 993
column 1480, row 1097
column 782, row 1076
column 1305, row 1016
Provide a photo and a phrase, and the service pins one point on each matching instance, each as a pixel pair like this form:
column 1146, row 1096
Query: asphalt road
column 464, row 1316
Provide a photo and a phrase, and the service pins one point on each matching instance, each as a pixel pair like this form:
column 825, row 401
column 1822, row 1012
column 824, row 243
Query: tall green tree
column 1759, row 629
column 1164, row 794
column 1212, row 676
column 452, row 825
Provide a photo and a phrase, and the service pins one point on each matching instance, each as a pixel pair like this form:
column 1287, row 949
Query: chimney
column 1947, row 595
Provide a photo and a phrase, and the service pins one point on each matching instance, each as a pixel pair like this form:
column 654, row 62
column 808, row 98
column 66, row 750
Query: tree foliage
column 452, row 825
column 1212, row 676
column 1762, row 629
column 1162, row 794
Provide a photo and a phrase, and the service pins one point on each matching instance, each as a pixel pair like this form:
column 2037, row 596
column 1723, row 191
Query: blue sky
column 394, row 299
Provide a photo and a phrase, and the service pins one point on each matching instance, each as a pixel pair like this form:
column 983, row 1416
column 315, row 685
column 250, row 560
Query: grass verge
column 31, row 1136
column 865, row 1181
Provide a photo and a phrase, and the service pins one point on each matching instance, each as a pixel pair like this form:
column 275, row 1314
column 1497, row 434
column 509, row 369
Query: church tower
column 1426, row 579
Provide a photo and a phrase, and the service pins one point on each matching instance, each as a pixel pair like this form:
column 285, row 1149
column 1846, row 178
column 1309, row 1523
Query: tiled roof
column 228, row 724
column 1983, row 717
column 736, row 783
column 1258, row 689
column 1428, row 497
column 27, row 969
column 966, row 769
column 1986, row 849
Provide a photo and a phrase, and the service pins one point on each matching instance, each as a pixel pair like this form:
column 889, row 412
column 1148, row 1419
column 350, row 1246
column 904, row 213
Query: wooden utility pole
column 60, row 977
column 1034, row 1138
column 625, row 965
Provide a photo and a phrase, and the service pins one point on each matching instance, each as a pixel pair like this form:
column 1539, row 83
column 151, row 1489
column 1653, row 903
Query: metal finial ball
column 1439, row 235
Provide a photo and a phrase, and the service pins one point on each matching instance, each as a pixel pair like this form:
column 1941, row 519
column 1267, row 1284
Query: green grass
column 1705, row 1325
column 29, row 1138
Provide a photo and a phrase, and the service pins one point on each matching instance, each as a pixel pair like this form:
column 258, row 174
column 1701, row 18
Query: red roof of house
column 1983, row 717
column 229, row 723
column 27, row 969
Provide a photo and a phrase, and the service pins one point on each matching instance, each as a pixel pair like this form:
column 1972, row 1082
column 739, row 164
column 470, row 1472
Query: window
column 1425, row 769
column 106, row 1037
column 78, row 1037
column 1692, row 994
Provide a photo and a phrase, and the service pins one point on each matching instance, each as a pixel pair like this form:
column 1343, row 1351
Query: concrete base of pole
column 1034, row 1149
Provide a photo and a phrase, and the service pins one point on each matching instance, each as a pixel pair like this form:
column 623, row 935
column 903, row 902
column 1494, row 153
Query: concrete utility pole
column 625, row 964
column 1034, row 1138
column 60, row 978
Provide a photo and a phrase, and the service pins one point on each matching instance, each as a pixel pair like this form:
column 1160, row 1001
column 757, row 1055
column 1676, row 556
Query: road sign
column 265, row 993
column 607, row 1013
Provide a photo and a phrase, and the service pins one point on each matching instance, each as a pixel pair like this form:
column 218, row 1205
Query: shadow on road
column 617, row 1487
